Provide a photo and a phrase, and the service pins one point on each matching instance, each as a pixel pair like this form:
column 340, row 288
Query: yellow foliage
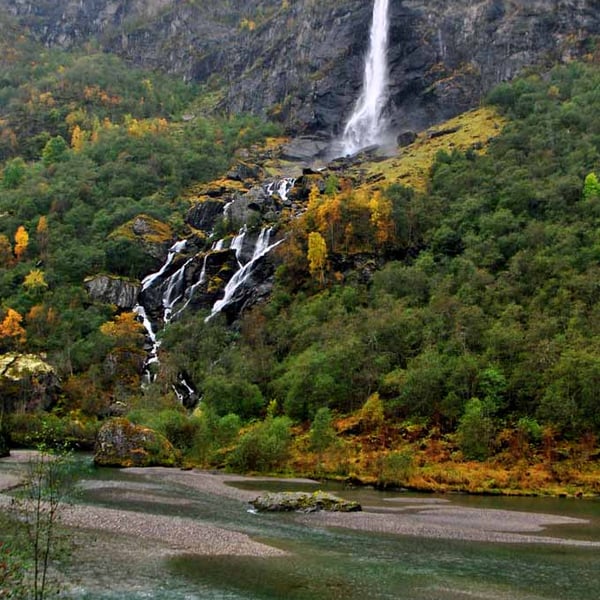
column 11, row 329
column 35, row 281
column 21, row 241
column 381, row 218
column 248, row 24
column 77, row 138
column 125, row 329
column 317, row 255
column 139, row 128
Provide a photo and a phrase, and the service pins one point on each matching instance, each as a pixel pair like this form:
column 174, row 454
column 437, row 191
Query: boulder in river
column 303, row 502
column 121, row 443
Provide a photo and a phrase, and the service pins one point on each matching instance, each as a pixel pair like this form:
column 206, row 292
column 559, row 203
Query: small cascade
column 174, row 250
column 175, row 289
column 240, row 277
column 237, row 243
column 184, row 392
column 189, row 293
column 152, row 358
column 169, row 288
column 280, row 186
column 366, row 124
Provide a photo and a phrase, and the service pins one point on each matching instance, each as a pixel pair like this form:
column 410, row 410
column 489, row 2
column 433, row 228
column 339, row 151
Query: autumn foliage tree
column 125, row 330
column 21, row 242
column 12, row 333
column 317, row 256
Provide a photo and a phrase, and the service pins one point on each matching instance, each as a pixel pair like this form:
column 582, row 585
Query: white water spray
column 366, row 125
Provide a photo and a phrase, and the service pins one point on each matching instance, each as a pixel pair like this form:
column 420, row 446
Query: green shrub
column 32, row 429
column 395, row 468
column 476, row 431
column 264, row 447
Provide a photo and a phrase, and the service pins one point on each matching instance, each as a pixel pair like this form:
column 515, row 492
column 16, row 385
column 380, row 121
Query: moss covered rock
column 303, row 502
column 120, row 443
column 153, row 237
column 27, row 383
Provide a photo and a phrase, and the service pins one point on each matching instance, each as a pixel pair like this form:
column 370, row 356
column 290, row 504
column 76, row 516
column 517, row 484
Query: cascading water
column 172, row 284
column 241, row 276
column 366, row 125
column 174, row 250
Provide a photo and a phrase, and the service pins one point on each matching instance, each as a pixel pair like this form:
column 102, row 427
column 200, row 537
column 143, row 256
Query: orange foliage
column 11, row 330
column 21, row 241
column 125, row 329
column 355, row 221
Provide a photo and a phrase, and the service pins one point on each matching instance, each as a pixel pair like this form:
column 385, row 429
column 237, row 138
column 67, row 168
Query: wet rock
column 27, row 383
column 406, row 138
column 204, row 215
column 109, row 289
column 303, row 502
column 304, row 148
column 120, row 443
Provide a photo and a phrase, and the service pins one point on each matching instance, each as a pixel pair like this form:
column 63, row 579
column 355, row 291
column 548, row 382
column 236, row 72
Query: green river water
column 327, row 562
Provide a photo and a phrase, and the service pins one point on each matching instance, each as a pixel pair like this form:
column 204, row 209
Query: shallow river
column 326, row 562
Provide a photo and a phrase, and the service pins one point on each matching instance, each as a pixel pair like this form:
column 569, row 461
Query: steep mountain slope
column 301, row 61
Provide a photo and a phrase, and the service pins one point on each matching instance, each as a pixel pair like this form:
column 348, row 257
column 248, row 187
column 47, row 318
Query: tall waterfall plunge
column 366, row 125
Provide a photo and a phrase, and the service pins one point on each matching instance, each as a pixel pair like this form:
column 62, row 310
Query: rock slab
column 303, row 502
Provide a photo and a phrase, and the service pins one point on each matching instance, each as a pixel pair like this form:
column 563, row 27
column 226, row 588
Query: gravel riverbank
column 421, row 517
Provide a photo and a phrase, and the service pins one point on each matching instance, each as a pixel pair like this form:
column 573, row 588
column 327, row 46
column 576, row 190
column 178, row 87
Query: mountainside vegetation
column 439, row 330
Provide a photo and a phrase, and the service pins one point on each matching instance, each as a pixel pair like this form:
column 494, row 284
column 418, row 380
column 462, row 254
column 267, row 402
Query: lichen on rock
column 303, row 502
column 121, row 443
column 27, row 382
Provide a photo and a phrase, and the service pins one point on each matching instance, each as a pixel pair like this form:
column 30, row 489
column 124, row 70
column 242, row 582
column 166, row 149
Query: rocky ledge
column 303, row 502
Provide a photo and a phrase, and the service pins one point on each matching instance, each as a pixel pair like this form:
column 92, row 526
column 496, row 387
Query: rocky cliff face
column 301, row 61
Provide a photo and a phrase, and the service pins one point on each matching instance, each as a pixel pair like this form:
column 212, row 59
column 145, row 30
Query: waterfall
column 175, row 290
column 238, row 243
column 152, row 358
column 366, row 125
column 174, row 250
column 240, row 277
column 176, row 297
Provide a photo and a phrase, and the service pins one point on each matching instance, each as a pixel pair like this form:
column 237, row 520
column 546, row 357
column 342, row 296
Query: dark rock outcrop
column 303, row 502
column 204, row 215
column 27, row 383
column 120, row 443
column 302, row 62
column 109, row 289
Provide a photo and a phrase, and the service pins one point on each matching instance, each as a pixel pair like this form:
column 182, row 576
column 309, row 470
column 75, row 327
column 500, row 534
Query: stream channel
column 444, row 548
